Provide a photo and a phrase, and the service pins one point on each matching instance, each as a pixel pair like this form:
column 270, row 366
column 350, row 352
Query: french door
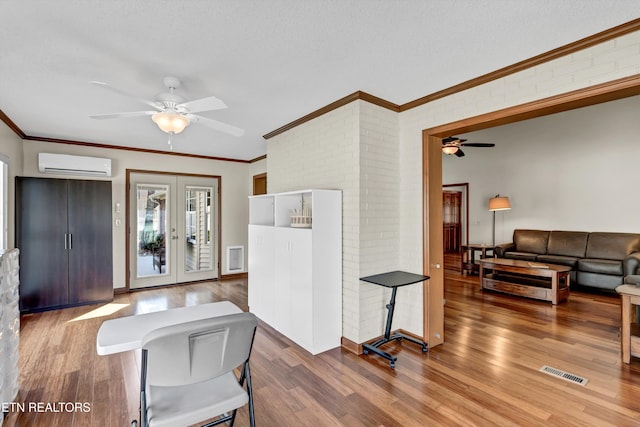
column 173, row 229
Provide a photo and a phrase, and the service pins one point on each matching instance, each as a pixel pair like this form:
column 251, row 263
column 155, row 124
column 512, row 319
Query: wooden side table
column 630, row 330
column 469, row 256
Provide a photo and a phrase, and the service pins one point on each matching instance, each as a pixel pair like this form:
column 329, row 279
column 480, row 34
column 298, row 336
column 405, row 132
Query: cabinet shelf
column 276, row 209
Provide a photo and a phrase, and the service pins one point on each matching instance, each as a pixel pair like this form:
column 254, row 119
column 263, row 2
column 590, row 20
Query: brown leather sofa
column 598, row 260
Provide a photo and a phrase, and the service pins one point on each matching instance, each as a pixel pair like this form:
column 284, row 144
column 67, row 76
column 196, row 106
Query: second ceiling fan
column 452, row 144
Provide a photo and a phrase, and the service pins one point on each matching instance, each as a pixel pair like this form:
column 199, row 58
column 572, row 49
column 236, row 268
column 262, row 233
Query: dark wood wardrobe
column 63, row 231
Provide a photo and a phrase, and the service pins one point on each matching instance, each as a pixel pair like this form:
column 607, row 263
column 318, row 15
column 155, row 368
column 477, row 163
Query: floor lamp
column 497, row 203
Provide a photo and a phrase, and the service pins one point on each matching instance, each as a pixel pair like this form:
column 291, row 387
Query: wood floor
column 486, row 373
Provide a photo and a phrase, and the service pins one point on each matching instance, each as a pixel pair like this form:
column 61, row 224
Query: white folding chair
column 188, row 375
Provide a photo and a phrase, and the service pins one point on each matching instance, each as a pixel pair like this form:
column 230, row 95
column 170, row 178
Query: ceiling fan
column 172, row 113
column 452, row 144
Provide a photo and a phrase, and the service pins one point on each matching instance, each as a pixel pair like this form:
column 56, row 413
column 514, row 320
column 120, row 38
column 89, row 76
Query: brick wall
column 324, row 153
column 379, row 211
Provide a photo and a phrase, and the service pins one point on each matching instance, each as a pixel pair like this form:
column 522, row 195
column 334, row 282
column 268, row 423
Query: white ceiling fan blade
column 214, row 124
column 203, row 104
column 119, row 92
column 122, row 115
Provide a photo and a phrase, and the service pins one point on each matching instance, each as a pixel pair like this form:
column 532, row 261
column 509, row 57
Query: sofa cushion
column 559, row 260
column 568, row 243
column 525, row 256
column 595, row 280
column 612, row 245
column 532, row 241
column 601, row 266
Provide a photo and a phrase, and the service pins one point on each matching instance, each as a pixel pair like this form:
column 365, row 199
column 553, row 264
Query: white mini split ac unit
column 73, row 165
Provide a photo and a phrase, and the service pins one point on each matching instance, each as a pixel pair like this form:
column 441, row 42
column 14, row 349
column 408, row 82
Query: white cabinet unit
column 295, row 265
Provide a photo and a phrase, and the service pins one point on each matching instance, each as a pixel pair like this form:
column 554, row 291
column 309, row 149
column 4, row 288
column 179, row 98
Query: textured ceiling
column 270, row 61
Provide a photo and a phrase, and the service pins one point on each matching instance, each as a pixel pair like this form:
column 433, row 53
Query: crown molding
column 14, row 127
column 140, row 150
column 359, row 95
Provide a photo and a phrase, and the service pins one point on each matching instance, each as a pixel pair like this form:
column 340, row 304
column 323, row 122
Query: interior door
column 451, row 217
column 89, row 241
column 173, row 226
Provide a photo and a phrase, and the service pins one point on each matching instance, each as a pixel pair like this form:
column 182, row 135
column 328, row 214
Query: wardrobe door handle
column 70, row 244
column 65, row 241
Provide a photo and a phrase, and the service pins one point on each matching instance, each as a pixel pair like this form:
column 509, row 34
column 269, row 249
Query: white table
column 127, row 333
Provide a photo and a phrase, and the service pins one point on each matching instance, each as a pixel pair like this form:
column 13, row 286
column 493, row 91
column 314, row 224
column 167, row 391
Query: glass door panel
column 151, row 230
column 197, row 249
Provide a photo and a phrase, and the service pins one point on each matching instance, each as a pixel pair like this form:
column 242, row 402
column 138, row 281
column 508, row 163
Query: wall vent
column 572, row 378
column 235, row 259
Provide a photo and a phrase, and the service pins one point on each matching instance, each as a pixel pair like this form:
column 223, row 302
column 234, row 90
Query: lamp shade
column 449, row 149
column 499, row 203
column 170, row 121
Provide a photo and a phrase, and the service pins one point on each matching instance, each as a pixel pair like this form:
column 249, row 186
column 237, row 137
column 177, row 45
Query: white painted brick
column 570, row 66
column 627, row 40
column 595, row 71
column 628, row 52
column 596, row 50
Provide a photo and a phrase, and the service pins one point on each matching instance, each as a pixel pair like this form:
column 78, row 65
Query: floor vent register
column 567, row 376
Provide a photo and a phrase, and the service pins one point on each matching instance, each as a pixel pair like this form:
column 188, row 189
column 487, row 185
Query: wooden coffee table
column 548, row 282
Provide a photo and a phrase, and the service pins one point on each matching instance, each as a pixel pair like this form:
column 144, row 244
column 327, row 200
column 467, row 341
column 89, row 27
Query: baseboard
column 235, row 276
column 117, row 291
column 350, row 346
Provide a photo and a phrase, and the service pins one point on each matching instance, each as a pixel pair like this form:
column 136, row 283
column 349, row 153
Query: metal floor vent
column 576, row 379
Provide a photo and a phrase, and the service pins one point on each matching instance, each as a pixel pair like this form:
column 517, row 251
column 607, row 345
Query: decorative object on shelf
column 301, row 218
column 497, row 203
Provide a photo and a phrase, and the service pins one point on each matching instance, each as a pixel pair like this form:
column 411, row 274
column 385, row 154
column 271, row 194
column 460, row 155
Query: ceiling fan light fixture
column 170, row 121
column 449, row 149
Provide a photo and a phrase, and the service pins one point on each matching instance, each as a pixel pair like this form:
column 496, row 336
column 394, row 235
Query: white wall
column 568, row 171
column 235, row 185
column 11, row 146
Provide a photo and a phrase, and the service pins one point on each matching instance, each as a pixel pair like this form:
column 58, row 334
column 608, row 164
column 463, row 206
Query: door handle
column 70, row 242
column 67, row 241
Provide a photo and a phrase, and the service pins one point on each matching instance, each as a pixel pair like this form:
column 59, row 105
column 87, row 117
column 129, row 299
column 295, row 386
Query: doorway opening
column 260, row 184
column 455, row 223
